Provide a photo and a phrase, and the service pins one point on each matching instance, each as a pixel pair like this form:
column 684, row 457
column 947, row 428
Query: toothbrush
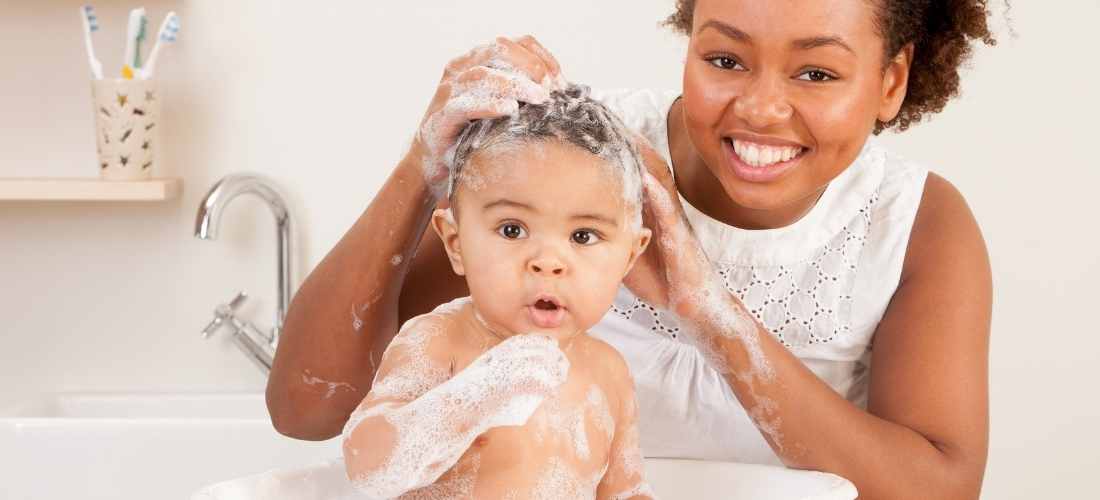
column 91, row 24
column 169, row 29
column 134, row 30
column 142, row 35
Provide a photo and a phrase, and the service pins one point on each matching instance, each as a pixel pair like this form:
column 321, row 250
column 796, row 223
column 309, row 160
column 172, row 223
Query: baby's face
column 544, row 237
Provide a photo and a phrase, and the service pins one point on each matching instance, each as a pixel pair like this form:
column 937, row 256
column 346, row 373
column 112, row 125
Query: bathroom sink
column 139, row 446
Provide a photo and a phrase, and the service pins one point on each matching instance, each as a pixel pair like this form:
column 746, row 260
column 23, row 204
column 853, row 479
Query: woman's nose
column 763, row 103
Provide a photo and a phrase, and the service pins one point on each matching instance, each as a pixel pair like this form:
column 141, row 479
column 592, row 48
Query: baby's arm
column 416, row 422
column 625, row 476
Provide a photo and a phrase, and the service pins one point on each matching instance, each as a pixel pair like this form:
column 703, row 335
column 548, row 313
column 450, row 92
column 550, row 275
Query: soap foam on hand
column 485, row 86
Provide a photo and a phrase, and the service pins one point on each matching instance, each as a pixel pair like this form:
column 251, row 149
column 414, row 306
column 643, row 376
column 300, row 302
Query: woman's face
column 780, row 95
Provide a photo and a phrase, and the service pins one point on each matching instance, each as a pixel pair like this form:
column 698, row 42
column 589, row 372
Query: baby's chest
column 576, row 426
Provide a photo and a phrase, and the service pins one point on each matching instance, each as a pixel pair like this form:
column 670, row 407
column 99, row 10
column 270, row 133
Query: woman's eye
column 724, row 62
column 512, row 231
column 585, row 237
column 816, row 75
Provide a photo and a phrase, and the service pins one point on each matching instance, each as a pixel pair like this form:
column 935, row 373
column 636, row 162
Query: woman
column 813, row 300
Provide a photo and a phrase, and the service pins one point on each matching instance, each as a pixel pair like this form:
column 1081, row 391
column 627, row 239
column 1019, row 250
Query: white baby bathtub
column 671, row 479
column 140, row 446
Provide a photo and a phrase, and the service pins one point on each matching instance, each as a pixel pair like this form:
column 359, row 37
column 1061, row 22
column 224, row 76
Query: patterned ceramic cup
column 126, row 117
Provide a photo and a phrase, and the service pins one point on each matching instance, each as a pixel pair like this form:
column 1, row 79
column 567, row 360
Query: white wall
column 111, row 296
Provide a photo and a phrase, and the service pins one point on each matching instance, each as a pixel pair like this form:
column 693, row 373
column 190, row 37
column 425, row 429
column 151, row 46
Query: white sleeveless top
column 819, row 285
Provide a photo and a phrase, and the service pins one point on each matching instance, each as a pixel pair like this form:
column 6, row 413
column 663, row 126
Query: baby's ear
column 641, row 241
column 445, row 226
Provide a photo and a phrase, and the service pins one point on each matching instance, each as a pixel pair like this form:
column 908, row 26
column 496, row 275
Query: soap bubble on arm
column 417, row 423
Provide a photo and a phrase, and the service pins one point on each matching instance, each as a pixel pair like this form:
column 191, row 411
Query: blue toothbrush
column 169, row 29
column 91, row 25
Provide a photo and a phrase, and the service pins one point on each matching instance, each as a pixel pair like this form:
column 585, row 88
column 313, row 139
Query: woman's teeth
column 759, row 155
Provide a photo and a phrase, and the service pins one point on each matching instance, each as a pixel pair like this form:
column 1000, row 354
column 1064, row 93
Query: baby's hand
column 506, row 384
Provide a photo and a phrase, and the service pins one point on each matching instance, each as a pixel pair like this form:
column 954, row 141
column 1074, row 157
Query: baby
column 503, row 394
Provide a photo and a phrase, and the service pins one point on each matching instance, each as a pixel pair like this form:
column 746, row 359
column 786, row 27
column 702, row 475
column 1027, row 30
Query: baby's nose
column 546, row 266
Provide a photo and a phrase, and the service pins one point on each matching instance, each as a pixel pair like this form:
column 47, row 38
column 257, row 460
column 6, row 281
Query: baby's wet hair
column 570, row 116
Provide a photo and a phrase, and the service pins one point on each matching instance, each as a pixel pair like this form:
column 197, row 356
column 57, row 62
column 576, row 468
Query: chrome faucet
column 259, row 347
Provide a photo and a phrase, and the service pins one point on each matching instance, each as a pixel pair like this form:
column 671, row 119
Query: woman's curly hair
column 941, row 32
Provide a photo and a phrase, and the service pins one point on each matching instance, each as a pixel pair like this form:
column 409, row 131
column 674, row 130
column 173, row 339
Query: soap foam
column 561, row 481
column 479, row 92
column 310, row 380
column 457, row 483
column 719, row 316
column 604, row 421
column 570, row 116
column 502, row 387
column 356, row 310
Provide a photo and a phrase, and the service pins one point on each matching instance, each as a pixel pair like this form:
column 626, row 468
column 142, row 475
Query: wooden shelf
column 87, row 189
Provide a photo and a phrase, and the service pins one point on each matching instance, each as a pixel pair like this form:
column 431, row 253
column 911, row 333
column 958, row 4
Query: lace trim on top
column 801, row 304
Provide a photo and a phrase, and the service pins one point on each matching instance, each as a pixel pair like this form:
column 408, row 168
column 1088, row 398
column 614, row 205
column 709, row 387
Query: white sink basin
column 140, row 446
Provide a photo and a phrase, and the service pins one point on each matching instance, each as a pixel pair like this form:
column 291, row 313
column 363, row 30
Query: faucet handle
column 222, row 313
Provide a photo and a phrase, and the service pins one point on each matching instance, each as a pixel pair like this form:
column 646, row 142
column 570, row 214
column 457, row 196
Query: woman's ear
column 447, row 228
column 895, row 83
column 641, row 241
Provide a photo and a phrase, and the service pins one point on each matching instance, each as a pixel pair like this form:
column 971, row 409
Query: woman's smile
column 753, row 160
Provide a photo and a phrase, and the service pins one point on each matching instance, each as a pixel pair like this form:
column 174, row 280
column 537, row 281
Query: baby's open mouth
column 546, row 312
column 545, row 305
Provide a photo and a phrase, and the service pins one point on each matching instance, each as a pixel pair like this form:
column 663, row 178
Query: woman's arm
column 925, row 432
column 345, row 313
column 347, row 310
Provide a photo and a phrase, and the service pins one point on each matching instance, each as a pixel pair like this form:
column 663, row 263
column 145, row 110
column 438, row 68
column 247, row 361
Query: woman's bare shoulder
column 945, row 234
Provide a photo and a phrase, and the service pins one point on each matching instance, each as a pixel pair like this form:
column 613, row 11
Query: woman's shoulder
column 945, row 231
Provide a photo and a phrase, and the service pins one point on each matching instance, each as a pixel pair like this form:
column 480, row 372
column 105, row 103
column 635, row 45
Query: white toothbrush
column 135, row 31
column 168, row 31
column 91, row 24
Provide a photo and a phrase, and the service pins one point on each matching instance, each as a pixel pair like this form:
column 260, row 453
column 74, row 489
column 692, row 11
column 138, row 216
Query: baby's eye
column 512, row 231
column 585, row 237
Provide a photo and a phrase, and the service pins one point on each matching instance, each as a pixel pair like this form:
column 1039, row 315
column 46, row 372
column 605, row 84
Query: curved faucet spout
column 209, row 218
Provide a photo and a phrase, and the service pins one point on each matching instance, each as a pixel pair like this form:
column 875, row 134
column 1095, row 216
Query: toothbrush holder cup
column 127, row 113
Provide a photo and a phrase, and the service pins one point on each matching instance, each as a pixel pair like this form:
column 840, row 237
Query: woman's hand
column 674, row 274
column 487, row 82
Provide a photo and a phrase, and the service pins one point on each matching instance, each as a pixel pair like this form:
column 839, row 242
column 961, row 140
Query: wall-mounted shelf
column 87, row 189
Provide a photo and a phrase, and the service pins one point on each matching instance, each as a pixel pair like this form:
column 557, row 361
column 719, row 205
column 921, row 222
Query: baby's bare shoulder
column 603, row 351
column 432, row 334
column 608, row 365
